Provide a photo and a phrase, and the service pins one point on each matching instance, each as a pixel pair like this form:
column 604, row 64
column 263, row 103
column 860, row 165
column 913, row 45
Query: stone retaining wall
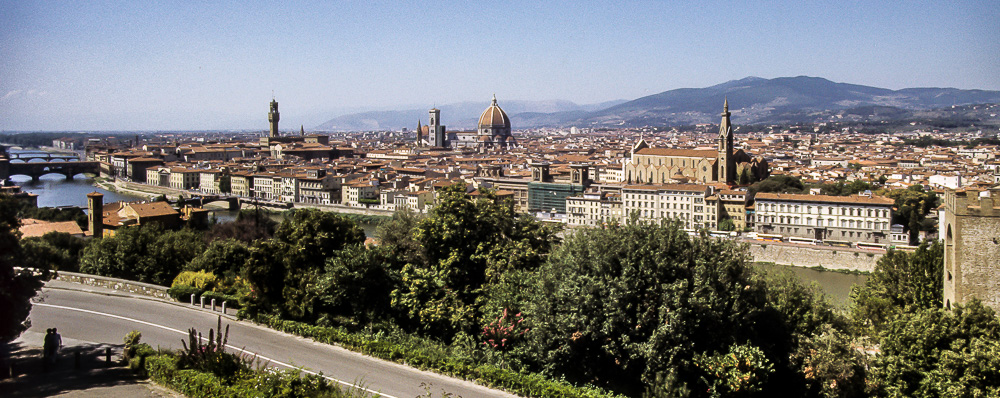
column 346, row 209
column 826, row 257
column 133, row 287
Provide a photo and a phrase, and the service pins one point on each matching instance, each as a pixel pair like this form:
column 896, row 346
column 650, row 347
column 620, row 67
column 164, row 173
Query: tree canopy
column 16, row 287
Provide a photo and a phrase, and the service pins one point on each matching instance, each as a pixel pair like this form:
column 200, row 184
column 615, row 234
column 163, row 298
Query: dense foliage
column 902, row 282
column 777, row 184
column 146, row 253
column 912, row 205
column 54, row 250
column 476, row 290
column 16, row 287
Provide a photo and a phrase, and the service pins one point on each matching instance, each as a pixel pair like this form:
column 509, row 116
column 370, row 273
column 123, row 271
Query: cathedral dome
column 494, row 117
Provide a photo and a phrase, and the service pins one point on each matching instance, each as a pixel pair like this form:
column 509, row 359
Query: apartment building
column 593, row 209
column 681, row 202
column 855, row 218
column 184, row 178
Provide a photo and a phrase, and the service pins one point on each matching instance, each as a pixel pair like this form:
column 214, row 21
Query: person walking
column 56, row 344
column 47, row 348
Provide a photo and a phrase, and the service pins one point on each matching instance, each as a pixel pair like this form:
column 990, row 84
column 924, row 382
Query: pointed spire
column 726, row 106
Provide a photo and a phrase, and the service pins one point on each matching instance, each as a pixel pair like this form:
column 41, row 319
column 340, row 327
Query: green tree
column 912, row 205
column 636, row 304
column 249, row 226
column 464, row 245
column 357, row 283
column 144, row 253
column 285, row 270
column 933, row 352
column 54, row 250
column 616, row 306
column 225, row 184
column 831, row 364
column 16, row 287
column 727, row 225
column 221, row 256
column 777, row 184
column 901, row 282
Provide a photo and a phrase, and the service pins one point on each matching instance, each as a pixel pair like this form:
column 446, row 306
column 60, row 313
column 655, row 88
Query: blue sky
column 174, row 65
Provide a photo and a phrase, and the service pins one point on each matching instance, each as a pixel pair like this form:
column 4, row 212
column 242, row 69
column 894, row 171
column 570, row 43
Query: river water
column 55, row 190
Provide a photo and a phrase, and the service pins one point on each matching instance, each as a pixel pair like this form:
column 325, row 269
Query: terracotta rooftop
column 853, row 199
column 689, row 153
column 34, row 228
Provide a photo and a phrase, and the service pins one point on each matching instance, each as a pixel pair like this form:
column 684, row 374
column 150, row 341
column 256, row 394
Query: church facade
column 677, row 166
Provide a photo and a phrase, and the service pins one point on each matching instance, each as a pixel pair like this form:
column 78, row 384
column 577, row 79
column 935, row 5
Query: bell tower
column 272, row 117
column 727, row 164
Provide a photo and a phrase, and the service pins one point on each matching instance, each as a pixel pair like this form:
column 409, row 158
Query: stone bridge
column 202, row 200
column 37, row 169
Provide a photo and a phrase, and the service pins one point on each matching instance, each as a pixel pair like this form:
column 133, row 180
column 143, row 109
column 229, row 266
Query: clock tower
column 272, row 117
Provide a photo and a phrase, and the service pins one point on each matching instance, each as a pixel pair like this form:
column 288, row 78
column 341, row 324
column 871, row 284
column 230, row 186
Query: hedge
column 524, row 384
column 261, row 383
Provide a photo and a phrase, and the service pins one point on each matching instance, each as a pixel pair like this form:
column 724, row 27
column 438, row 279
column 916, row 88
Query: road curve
column 99, row 316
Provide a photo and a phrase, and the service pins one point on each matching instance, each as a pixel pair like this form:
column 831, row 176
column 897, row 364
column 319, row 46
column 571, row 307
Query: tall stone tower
column 971, row 231
column 727, row 163
column 272, row 117
column 435, row 129
column 95, row 214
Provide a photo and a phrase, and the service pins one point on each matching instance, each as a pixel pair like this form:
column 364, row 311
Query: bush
column 200, row 279
column 232, row 301
column 184, row 292
column 426, row 354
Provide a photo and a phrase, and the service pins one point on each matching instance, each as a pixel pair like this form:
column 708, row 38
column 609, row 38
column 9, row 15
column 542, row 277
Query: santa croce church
column 674, row 166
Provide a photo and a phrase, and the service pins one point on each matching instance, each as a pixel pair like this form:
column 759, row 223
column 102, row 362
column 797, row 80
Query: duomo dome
column 494, row 117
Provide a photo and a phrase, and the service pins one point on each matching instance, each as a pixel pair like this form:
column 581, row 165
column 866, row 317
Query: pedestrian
column 47, row 346
column 56, row 344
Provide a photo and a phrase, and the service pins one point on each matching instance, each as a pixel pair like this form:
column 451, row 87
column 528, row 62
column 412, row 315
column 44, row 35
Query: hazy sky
column 147, row 65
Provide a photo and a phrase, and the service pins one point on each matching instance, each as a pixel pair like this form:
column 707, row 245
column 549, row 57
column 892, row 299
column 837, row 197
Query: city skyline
column 121, row 66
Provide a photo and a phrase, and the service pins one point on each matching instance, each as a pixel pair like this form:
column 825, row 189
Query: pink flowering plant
column 503, row 332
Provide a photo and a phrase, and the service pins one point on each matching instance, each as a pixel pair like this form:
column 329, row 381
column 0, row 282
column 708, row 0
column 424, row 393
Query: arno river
column 54, row 190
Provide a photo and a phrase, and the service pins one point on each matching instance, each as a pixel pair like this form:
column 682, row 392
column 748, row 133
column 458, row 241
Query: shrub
column 232, row 301
column 200, row 279
column 184, row 292
column 426, row 354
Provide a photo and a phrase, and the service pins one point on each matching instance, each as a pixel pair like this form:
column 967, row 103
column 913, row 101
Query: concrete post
column 213, row 304
column 192, row 298
column 202, row 301
column 224, row 306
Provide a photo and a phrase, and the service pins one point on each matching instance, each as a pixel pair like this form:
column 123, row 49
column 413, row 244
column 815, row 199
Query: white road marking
column 227, row 345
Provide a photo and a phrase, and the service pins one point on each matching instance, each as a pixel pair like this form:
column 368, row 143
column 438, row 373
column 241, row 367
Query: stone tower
column 272, row 117
column 971, row 232
column 435, row 129
column 579, row 174
column 540, row 172
column 95, row 214
column 420, row 134
column 726, row 163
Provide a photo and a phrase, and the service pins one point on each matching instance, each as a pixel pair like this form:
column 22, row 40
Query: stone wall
column 979, row 260
column 345, row 209
column 140, row 288
column 826, row 257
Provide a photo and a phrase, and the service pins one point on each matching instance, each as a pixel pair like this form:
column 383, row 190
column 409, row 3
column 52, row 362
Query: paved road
column 99, row 317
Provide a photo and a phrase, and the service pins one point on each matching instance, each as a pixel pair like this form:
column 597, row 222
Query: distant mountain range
column 752, row 100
